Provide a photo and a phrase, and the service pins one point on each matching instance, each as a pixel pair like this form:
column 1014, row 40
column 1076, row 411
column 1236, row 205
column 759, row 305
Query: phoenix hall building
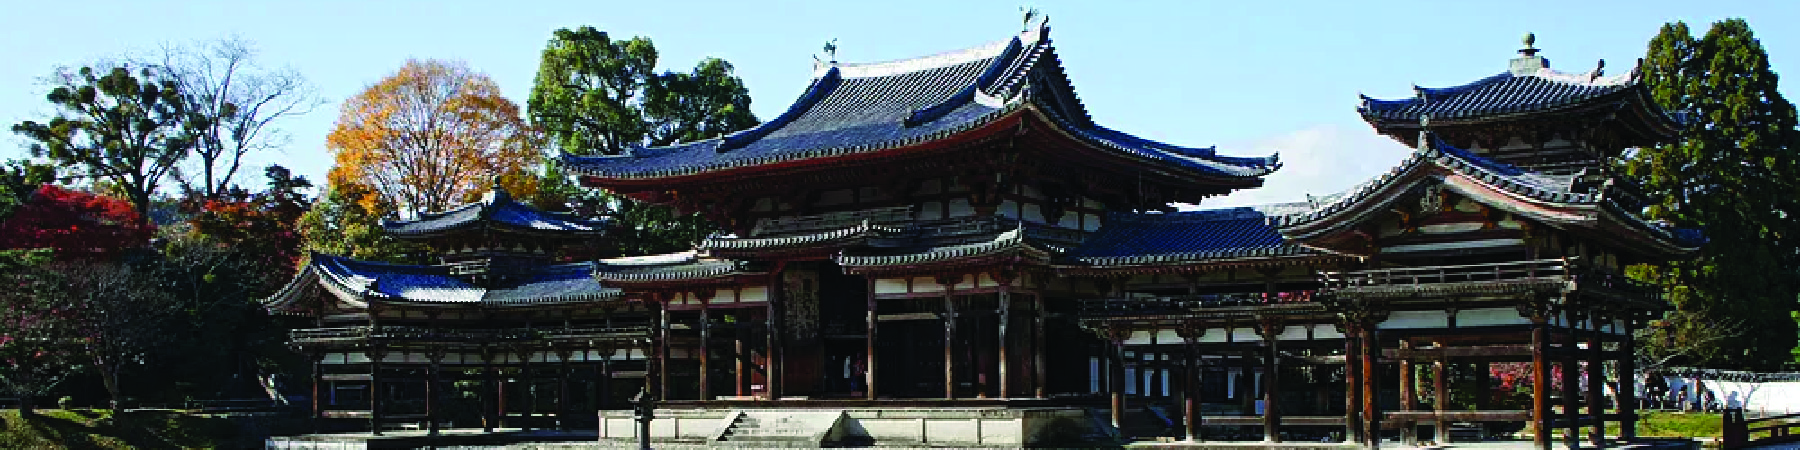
column 950, row 250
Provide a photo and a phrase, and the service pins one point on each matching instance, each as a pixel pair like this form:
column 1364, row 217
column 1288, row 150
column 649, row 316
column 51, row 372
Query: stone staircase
column 782, row 429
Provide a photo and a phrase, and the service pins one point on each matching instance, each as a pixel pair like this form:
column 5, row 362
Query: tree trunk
column 109, row 375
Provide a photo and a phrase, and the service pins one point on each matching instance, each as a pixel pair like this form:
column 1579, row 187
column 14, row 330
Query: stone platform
column 822, row 423
column 455, row 437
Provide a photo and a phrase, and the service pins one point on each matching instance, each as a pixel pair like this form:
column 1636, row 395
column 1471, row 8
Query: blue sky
column 1253, row 77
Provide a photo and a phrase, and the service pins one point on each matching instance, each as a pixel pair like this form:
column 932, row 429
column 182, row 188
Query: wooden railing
column 1512, row 270
column 1738, row 430
column 1560, row 270
column 427, row 334
column 1187, row 303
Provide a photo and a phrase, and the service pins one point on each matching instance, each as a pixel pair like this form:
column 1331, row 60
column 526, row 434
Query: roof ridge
column 921, row 63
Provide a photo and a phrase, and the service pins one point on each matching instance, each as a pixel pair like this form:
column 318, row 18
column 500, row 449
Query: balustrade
column 428, row 334
column 1188, row 303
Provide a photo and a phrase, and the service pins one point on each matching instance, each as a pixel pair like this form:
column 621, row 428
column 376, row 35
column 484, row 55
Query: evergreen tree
column 1733, row 174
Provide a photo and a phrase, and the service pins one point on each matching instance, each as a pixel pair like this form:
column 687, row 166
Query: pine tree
column 1733, row 174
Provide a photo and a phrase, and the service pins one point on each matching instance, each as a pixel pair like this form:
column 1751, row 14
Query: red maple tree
column 76, row 224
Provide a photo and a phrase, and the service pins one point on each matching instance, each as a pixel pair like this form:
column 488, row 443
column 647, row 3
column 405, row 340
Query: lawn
column 1675, row 424
column 86, row 428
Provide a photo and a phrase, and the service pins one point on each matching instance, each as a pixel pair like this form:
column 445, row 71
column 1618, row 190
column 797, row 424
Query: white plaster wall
column 890, row 285
column 1399, row 320
column 1487, row 317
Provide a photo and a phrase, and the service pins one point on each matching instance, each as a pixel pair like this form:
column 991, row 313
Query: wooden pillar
column 1353, row 427
column 1272, row 382
column 1540, row 382
column 773, row 355
column 1596, row 381
column 1571, row 369
column 1040, row 383
column 869, row 350
column 527, row 380
column 949, row 341
column 1628, row 382
column 1371, row 355
column 432, row 386
column 705, row 355
column 318, row 380
column 741, row 331
column 562, row 388
column 603, row 398
column 491, row 412
column 1005, row 312
column 662, row 349
column 1116, row 343
column 1409, row 400
column 1484, row 385
column 1440, row 401
column 1190, row 410
column 375, row 355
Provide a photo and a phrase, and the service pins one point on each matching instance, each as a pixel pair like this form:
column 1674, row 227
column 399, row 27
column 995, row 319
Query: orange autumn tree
column 429, row 137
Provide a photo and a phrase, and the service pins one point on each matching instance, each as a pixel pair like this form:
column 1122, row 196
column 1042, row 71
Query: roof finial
column 1528, row 62
column 831, row 50
column 1029, row 13
column 1599, row 70
column 1424, row 133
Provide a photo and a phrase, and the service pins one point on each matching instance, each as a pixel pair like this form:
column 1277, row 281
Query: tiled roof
column 851, row 109
column 497, row 209
column 357, row 282
column 1498, row 95
column 1556, row 190
column 833, row 238
column 1014, row 242
column 665, row 268
column 1129, row 239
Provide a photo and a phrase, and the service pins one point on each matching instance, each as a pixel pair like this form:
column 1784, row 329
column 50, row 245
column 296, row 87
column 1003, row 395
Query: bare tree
column 238, row 103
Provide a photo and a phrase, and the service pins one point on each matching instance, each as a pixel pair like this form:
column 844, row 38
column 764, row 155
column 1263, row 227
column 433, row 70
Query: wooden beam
column 1441, row 353
column 1457, row 416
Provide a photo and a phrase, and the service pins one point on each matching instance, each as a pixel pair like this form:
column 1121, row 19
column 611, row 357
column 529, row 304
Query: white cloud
column 1317, row 160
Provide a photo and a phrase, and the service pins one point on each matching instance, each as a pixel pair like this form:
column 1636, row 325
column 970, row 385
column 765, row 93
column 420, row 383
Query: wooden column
column 705, row 355
column 375, row 355
column 1039, row 383
column 773, row 355
column 1628, row 381
column 1190, row 392
column 1540, row 381
column 562, row 388
column 432, row 386
column 528, row 380
column 1353, row 427
column 1484, row 385
column 1440, row 401
column 1571, row 369
column 603, row 397
column 1005, row 312
column 491, row 411
column 662, row 348
column 869, row 350
column 949, row 340
column 1116, row 343
column 1371, row 353
column 741, row 331
column 1409, row 400
column 1272, row 382
column 318, row 379
column 1596, row 380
